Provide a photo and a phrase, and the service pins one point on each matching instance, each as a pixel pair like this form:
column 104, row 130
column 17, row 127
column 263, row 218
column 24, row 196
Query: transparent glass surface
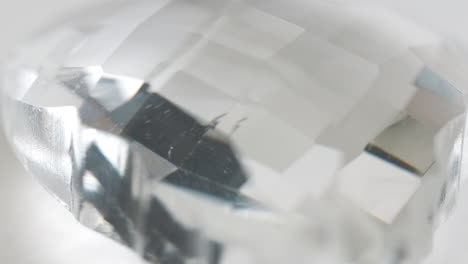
column 253, row 131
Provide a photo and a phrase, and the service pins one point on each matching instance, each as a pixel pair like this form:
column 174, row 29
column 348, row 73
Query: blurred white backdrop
column 36, row 229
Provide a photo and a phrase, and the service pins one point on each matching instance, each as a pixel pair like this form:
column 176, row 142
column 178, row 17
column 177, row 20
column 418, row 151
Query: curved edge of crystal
column 225, row 130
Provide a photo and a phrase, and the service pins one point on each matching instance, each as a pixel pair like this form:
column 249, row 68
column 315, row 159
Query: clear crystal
column 254, row 131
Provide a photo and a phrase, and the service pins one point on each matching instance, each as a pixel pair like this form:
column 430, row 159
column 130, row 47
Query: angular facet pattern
column 252, row 131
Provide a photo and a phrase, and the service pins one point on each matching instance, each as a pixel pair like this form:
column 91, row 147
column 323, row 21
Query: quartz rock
column 237, row 132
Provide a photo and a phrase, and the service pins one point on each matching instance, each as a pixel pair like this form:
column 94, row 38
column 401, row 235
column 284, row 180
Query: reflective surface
column 222, row 130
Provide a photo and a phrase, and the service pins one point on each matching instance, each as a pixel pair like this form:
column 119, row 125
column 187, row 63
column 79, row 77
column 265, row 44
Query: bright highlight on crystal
column 242, row 132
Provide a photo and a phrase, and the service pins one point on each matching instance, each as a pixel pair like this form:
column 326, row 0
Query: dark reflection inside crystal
column 167, row 240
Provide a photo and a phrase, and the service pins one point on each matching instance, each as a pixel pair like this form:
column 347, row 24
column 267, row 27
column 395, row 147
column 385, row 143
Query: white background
column 35, row 229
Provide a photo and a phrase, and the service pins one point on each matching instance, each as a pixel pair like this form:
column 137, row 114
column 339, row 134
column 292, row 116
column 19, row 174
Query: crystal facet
column 238, row 132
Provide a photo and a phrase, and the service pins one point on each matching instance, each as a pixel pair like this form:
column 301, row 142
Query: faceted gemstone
column 254, row 131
